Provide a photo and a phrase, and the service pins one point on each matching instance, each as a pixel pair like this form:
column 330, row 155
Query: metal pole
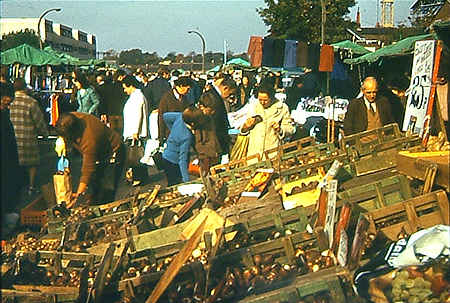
column 39, row 22
column 203, row 47
column 324, row 20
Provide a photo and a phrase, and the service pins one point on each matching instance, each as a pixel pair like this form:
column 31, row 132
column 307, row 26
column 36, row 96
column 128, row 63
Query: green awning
column 239, row 61
column 402, row 47
column 71, row 60
column 28, row 55
column 355, row 48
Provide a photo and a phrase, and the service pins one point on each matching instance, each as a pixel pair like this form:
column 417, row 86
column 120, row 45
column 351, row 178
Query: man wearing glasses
column 368, row 112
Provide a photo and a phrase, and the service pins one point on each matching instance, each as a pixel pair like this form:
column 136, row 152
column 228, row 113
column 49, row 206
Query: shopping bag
column 62, row 182
column 239, row 149
column 135, row 152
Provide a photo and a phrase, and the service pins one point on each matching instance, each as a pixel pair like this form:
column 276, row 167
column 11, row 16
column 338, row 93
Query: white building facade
column 60, row 37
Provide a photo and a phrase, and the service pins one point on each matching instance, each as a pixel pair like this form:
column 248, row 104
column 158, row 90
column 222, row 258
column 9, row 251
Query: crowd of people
column 177, row 116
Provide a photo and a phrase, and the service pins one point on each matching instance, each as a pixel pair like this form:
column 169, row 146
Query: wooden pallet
column 411, row 215
column 290, row 147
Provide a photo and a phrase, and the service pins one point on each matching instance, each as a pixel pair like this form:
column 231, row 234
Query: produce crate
column 378, row 194
column 298, row 186
column 386, row 137
column 416, row 165
column 307, row 155
column 234, row 164
column 38, row 294
column 239, row 173
column 326, row 283
column 411, row 215
column 35, row 213
column 290, row 147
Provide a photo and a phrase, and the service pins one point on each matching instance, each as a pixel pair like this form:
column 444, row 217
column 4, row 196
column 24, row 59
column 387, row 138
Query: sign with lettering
column 420, row 87
column 343, row 249
column 331, row 210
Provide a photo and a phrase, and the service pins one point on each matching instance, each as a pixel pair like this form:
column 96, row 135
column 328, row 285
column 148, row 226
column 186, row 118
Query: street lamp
column 203, row 48
column 39, row 22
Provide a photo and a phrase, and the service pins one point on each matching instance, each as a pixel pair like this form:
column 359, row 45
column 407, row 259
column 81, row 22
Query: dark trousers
column 173, row 173
column 105, row 181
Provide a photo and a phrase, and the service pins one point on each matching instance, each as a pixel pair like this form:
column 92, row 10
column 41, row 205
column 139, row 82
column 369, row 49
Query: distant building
column 60, row 37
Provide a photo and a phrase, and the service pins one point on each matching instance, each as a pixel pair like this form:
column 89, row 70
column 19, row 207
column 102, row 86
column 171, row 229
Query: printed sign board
column 420, row 88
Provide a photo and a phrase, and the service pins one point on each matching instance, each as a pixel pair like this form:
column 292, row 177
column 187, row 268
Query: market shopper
column 86, row 96
column 135, row 127
column 97, row 144
column 268, row 122
column 173, row 101
column 212, row 103
column 176, row 153
column 28, row 121
column 368, row 112
column 112, row 101
column 157, row 88
column 11, row 173
column 206, row 143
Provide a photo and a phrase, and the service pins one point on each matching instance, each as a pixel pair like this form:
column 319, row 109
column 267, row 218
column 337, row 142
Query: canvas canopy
column 239, row 61
column 355, row 48
column 402, row 47
column 70, row 60
column 28, row 55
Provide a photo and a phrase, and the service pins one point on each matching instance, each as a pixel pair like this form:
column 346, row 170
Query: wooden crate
column 378, row 194
column 235, row 164
column 386, row 137
column 239, row 173
column 411, row 215
column 326, row 281
column 38, row 294
column 416, row 165
column 35, row 213
column 290, row 147
column 307, row 155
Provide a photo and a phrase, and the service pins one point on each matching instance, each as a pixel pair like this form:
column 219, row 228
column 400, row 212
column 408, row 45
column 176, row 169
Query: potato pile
column 414, row 286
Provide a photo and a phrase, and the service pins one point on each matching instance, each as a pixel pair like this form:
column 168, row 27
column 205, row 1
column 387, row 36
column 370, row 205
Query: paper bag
column 63, row 187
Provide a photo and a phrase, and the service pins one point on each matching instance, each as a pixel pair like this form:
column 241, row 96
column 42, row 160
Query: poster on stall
column 421, row 92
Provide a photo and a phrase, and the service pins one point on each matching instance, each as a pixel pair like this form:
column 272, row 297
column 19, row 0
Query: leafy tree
column 151, row 58
column 171, row 56
column 301, row 19
column 14, row 39
column 131, row 57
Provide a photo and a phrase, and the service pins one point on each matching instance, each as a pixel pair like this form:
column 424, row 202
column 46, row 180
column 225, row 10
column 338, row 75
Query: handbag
column 135, row 152
column 62, row 182
column 239, row 149
column 158, row 159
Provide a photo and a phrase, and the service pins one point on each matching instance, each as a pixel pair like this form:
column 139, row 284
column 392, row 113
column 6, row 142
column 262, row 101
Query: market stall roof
column 71, row 60
column 28, row 55
column 239, row 61
column 355, row 48
column 402, row 47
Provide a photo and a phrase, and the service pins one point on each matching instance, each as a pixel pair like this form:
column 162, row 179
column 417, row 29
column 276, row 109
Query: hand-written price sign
column 420, row 88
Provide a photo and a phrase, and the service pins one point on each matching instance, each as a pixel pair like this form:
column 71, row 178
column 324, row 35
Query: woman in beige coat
column 268, row 122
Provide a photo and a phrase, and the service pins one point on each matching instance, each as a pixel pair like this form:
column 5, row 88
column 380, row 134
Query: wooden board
column 416, row 164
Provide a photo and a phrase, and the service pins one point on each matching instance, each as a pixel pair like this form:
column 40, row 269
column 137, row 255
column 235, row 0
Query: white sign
column 420, row 86
column 343, row 249
column 331, row 210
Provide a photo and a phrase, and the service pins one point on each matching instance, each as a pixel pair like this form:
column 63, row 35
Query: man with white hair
column 368, row 112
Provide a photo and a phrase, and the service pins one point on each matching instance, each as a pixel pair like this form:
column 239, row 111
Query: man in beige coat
column 268, row 122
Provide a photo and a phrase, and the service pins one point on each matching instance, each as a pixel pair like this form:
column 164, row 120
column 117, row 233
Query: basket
column 35, row 213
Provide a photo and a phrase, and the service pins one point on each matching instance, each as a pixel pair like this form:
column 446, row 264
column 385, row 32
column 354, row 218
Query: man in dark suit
column 112, row 100
column 368, row 112
column 157, row 88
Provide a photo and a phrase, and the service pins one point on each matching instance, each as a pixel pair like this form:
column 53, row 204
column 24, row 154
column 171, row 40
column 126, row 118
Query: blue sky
column 161, row 26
